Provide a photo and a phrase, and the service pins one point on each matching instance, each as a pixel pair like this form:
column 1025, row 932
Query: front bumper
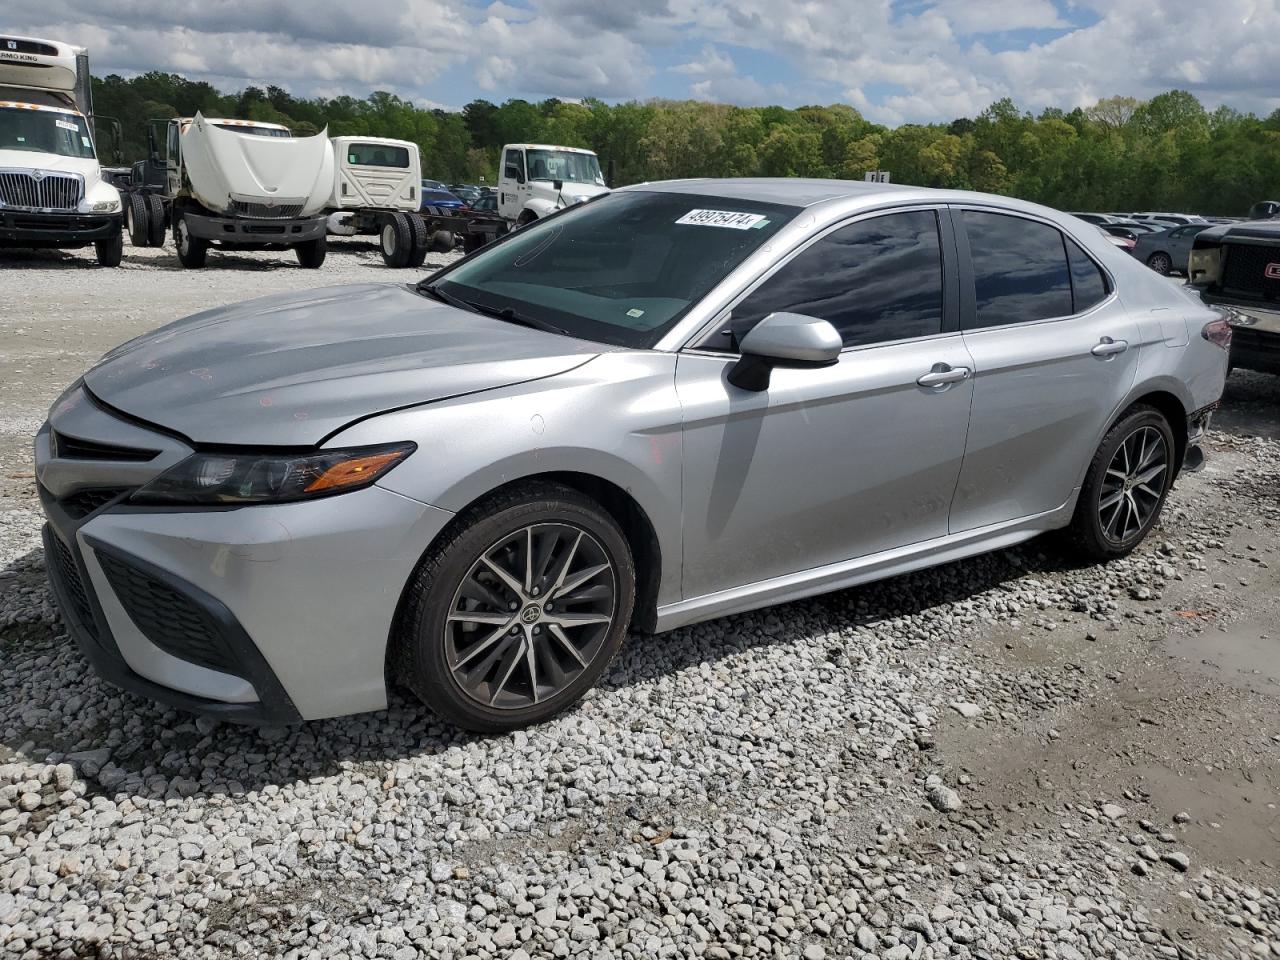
column 262, row 614
column 18, row 229
column 249, row 231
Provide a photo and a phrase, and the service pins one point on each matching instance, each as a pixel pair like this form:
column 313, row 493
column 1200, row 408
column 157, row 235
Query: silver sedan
column 675, row 402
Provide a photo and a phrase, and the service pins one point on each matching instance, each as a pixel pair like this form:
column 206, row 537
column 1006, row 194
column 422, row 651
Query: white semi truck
column 52, row 192
column 378, row 191
column 537, row 179
column 234, row 184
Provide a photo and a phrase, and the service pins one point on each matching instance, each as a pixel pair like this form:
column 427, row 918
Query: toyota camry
column 674, row 402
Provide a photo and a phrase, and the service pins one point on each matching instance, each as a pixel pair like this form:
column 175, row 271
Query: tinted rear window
column 377, row 155
column 1019, row 269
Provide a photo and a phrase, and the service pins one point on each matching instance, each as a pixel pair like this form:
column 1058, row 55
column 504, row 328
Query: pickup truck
column 1237, row 267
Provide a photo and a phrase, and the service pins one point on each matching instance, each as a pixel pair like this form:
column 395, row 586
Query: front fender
column 540, row 208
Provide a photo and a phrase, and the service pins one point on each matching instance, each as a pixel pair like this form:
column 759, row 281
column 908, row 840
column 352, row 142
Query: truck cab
column 537, row 179
column 52, row 191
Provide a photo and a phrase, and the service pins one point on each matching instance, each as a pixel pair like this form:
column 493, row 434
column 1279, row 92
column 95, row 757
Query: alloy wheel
column 1134, row 485
column 532, row 612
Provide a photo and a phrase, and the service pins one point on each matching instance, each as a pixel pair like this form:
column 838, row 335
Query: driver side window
column 513, row 164
column 875, row 280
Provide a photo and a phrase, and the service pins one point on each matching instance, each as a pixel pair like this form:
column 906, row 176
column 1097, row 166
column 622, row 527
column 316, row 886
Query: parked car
column 438, row 198
column 1264, row 210
column 1125, row 243
column 1182, row 218
column 467, row 192
column 1237, row 268
column 1166, row 251
column 486, row 203
column 1098, row 218
column 675, row 402
column 1122, row 231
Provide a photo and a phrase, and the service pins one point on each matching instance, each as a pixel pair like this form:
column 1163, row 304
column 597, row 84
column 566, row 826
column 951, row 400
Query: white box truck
column 378, row 190
column 537, row 179
column 52, row 193
column 236, row 184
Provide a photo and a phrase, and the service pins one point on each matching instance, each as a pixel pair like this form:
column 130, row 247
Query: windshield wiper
column 501, row 313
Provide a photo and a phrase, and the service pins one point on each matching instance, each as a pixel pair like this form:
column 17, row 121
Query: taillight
column 1218, row 332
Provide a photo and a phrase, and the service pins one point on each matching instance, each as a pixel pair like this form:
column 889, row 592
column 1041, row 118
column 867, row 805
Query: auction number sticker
column 65, row 125
column 729, row 219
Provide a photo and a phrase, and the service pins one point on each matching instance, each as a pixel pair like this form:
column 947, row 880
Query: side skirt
column 850, row 573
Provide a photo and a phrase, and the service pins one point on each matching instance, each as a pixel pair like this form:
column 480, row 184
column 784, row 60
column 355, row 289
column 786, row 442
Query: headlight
column 106, row 206
column 1205, row 266
column 234, row 478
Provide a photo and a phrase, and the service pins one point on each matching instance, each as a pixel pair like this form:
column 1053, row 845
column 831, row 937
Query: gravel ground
column 1009, row 757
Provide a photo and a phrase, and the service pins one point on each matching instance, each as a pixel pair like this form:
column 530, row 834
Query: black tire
column 311, row 253
column 110, row 250
column 135, row 220
column 1089, row 533
column 395, row 240
column 1161, row 263
column 442, row 241
column 471, row 242
column 157, row 222
column 418, row 227
column 193, row 252
column 419, row 650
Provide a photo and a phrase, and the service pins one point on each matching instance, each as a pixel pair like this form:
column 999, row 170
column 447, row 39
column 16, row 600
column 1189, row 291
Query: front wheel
column 192, row 251
column 1125, row 486
column 516, row 615
column 311, row 253
column 111, row 250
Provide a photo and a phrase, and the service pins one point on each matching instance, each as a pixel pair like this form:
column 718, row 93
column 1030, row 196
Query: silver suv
column 675, row 402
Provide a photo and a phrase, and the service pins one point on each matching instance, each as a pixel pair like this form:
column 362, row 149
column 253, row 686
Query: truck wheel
column 419, row 229
column 135, row 220
column 395, row 240
column 157, row 222
column 442, row 241
column 311, row 253
column 471, row 242
column 192, row 251
column 110, row 250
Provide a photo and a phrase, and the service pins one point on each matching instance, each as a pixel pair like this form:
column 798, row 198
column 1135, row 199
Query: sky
column 896, row 61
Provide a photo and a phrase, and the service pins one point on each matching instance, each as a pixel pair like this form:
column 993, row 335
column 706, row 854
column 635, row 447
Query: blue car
column 437, row 199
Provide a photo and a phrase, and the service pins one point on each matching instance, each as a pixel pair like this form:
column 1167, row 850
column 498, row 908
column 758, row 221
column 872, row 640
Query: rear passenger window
column 1019, row 269
column 875, row 280
column 1088, row 282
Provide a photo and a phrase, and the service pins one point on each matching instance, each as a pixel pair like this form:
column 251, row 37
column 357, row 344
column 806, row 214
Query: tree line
column 1166, row 153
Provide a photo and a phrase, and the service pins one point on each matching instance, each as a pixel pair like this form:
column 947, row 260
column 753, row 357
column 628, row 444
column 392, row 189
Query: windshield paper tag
column 67, row 126
column 724, row 218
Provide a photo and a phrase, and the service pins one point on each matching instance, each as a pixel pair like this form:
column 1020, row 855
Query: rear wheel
column 518, row 613
column 192, row 251
column 1126, row 485
column 395, row 240
column 157, row 222
column 418, row 228
column 1161, row 263
column 471, row 242
column 311, row 253
column 110, row 250
column 135, row 220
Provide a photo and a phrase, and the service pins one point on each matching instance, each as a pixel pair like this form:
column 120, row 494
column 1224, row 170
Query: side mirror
column 557, row 185
column 784, row 340
column 609, row 176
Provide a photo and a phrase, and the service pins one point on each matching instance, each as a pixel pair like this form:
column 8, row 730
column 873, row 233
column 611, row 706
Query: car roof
column 548, row 146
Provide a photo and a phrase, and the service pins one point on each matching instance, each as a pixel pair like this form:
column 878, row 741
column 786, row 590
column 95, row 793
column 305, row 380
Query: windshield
column 45, row 131
column 622, row 269
column 566, row 165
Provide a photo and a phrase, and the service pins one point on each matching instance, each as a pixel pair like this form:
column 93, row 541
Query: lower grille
column 167, row 618
column 267, row 211
column 65, row 564
column 1244, row 271
column 51, row 191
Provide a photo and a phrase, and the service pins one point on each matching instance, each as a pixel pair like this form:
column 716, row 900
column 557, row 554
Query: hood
column 87, row 167
column 293, row 174
column 571, row 194
column 290, row 370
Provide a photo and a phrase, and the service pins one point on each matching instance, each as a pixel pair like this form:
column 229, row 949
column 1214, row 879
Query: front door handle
column 942, row 374
column 1107, row 347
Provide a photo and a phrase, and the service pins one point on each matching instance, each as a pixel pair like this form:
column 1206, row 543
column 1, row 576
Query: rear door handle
column 1107, row 347
column 942, row 374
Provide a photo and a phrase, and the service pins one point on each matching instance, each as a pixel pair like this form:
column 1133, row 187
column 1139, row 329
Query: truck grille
column 1244, row 271
column 277, row 210
column 48, row 191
